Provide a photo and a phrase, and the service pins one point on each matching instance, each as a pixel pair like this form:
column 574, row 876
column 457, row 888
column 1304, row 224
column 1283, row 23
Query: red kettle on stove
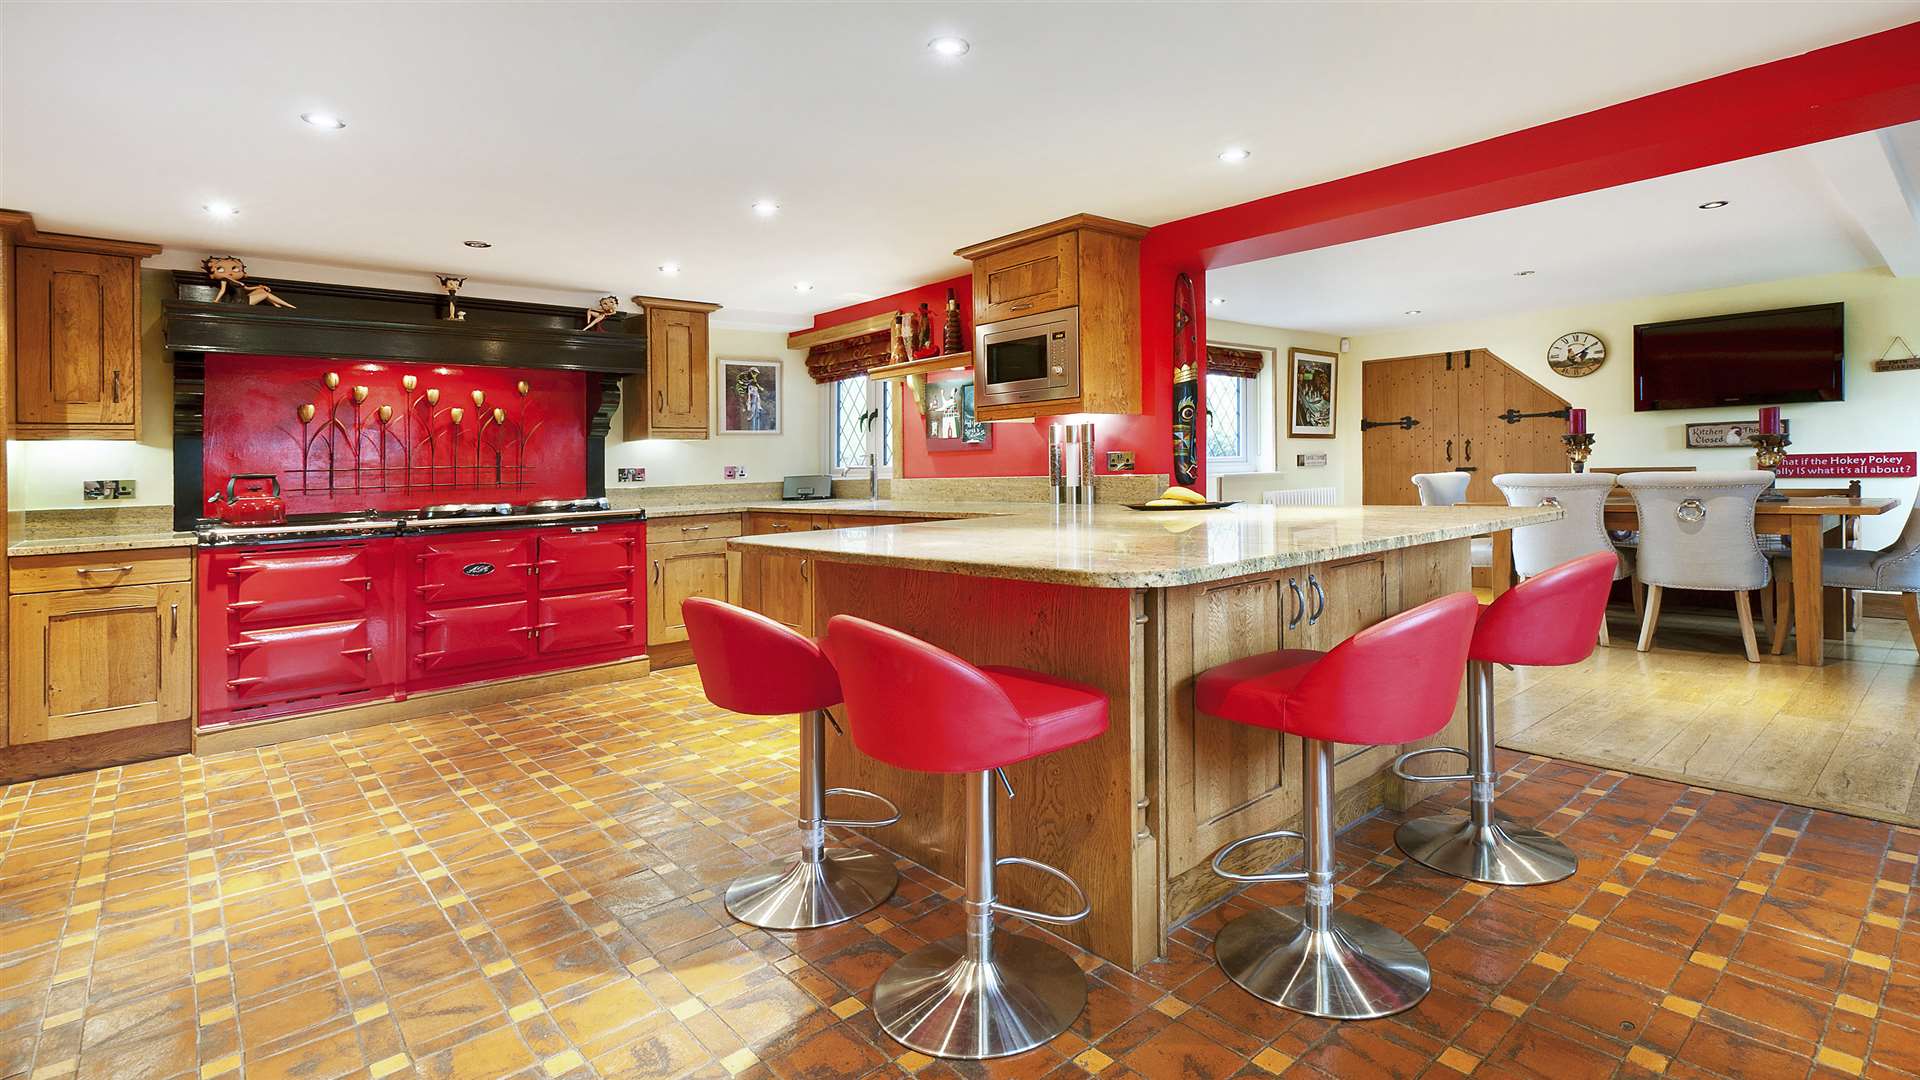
column 251, row 499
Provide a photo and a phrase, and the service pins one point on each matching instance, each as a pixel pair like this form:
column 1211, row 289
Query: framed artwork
column 749, row 397
column 950, row 421
column 1310, row 394
column 1731, row 433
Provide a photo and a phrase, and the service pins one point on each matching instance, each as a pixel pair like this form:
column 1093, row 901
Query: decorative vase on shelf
column 951, row 338
column 923, row 333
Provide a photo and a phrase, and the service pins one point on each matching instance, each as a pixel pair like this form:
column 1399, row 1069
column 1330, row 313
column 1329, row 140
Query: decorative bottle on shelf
column 923, row 333
column 950, row 339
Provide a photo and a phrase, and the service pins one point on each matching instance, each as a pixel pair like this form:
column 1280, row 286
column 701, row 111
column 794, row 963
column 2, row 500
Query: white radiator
column 1320, row 496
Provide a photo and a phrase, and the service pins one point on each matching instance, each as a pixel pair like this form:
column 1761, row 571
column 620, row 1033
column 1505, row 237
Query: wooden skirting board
column 331, row 721
column 60, row 757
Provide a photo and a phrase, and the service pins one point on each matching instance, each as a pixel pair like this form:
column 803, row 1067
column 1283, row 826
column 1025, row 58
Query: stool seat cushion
column 1058, row 713
column 751, row 664
column 1552, row 618
column 1253, row 689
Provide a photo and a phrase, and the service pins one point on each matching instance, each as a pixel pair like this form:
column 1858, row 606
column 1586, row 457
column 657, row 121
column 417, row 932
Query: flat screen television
column 1753, row 358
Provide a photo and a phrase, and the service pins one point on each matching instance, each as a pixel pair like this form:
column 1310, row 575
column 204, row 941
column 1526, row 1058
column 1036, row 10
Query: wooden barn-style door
column 1459, row 410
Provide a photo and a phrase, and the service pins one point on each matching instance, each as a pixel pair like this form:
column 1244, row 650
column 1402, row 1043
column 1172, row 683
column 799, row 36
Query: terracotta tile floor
column 530, row 891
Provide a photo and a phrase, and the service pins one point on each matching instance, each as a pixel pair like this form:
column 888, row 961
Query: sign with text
column 1846, row 466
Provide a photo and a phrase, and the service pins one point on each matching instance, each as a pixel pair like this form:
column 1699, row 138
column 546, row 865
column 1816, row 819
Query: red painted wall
column 253, row 426
column 1019, row 446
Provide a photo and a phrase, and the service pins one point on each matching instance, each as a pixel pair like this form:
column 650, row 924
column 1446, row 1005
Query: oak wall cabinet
column 669, row 400
column 1085, row 262
column 74, row 305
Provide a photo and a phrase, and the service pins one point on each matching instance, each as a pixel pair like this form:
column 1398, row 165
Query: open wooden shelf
column 947, row 362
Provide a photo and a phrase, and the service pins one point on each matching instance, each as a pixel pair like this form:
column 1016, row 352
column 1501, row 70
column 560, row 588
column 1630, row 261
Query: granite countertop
column 65, row 545
column 928, row 508
column 1113, row 547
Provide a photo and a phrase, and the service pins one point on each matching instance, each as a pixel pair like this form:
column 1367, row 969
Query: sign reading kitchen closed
column 1865, row 465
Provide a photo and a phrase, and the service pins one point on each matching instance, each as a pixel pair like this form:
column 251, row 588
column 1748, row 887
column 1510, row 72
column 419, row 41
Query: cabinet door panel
column 1028, row 279
column 677, row 369
column 1343, row 598
column 1235, row 764
column 594, row 620
column 593, row 558
column 781, row 588
column 75, row 362
column 86, row 662
column 685, row 570
column 474, row 636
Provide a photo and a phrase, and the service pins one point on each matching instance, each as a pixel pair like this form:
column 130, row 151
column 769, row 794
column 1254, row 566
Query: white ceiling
column 1820, row 209
column 591, row 142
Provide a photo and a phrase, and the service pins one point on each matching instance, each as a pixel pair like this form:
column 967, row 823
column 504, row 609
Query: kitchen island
column 1135, row 604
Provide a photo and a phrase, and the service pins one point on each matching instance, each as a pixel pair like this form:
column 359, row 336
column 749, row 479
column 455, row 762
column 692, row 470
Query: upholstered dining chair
column 1539, row 548
column 1894, row 568
column 1696, row 532
column 1450, row 489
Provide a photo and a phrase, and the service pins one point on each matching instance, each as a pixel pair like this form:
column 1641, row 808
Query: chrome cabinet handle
column 128, row 568
column 804, row 576
column 1320, row 595
column 1020, row 307
column 656, row 571
column 116, row 386
column 1299, row 604
column 174, row 633
column 695, row 528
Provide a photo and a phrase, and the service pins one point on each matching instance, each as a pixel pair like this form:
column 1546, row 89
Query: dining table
column 1811, row 524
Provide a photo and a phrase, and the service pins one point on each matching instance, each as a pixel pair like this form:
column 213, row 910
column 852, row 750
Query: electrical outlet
column 1119, row 461
column 630, row 476
column 734, row 472
column 92, row 490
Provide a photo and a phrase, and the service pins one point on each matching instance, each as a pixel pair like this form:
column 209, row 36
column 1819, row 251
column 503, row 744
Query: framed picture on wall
column 1310, row 394
column 749, row 397
column 951, row 424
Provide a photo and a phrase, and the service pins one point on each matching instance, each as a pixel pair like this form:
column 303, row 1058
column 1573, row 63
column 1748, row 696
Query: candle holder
column 1770, row 451
column 1579, row 448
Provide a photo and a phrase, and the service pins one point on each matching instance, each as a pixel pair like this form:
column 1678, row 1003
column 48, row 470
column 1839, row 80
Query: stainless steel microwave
column 1031, row 358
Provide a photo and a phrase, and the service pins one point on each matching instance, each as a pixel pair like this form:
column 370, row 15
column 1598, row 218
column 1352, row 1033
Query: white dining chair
column 1894, row 568
column 1696, row 532
column 1583, row 531
column 1450, row 489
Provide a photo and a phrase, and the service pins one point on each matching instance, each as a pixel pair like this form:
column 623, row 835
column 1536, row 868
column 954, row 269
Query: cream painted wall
column 798, row 448
column 45, row 475
column 1277, row 452
column 1878, row 413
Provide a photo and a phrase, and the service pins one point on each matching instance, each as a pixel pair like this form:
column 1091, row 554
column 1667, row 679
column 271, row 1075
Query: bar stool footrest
column 1399, row 766
column 1086, row 906
column 1276, row 875
column 860, row 823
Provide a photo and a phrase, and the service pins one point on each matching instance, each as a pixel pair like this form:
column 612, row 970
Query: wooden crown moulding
column 1091, row 222
column 665, row 304
column 386, row 324
column 847, row 331
column 19, row 226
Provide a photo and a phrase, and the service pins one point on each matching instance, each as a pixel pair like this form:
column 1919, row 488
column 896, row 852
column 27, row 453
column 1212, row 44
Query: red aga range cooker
column 328, row 610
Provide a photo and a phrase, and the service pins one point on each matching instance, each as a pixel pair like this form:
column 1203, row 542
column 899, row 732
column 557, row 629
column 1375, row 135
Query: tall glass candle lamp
column 1770, row 451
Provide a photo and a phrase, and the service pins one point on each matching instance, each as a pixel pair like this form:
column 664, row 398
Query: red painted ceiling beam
column 1859, row 85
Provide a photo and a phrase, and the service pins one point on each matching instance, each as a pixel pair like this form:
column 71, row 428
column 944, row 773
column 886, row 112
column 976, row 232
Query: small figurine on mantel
column 608, row 307
column 450, row 284
column 228, row 270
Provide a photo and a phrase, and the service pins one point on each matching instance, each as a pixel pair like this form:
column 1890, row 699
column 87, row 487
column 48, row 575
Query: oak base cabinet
column 86, row 661
column 680, row 571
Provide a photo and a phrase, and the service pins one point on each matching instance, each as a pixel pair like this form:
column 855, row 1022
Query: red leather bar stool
column 918, row 707
column 750, row 664
column 1393, row 682
column 1552, row 618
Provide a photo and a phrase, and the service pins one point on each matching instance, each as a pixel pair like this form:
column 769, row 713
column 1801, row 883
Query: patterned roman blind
column 855, row 356
column 1239, row 363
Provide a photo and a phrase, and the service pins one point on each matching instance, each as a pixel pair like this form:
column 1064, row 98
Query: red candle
column 1576, row 421
column 1770, row 420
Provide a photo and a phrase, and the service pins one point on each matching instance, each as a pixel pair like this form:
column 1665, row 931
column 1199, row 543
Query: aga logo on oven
column 477, row 569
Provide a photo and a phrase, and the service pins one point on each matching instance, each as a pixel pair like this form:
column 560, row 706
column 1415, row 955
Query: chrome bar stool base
column 1355, row 969
column 805, row 895
column 938, row 1001
column 1500, row 852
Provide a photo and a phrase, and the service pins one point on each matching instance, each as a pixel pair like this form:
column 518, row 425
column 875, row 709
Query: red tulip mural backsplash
column 353, row 434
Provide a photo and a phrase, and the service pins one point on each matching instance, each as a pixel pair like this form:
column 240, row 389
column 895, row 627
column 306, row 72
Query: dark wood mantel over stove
column 351, row 322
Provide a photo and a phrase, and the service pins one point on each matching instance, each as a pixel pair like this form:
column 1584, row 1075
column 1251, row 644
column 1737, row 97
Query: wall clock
column 1576, row 354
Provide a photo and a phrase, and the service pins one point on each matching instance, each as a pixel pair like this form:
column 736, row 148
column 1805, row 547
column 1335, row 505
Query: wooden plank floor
column 1842, row 737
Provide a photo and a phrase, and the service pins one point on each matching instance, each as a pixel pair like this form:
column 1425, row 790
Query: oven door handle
column 244, row 568
column 245, row 681
column 237, row 647
column 364, row 581
column 422, row 589
column 425, row 623
column 244, row 605
column 365, row 652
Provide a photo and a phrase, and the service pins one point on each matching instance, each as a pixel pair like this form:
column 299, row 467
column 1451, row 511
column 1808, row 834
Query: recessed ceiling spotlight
column 1216, row 301
column 323, row 120
column 803, row 286
column 476, row 243
column 1714, row 205
column 670, row 269
column 953, row 48
column 1412, row 311
column 766, row 207
column 1523, row 273
column 221, row 209
column 1234, row 155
